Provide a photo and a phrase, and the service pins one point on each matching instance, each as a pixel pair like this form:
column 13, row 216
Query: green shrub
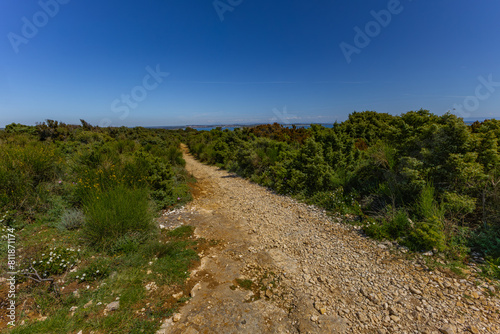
column 399, row 226
column 55, row 207
column 487, row 241
column 427, row 236
column 174, row 156
column 492, row 267
column 457, row 205
column 117, row 212
column 458, row 243
column 336, row 201
column 24, row 165
column 91, row 181
column 376, row 230
column 426, row 204
column 71, row 219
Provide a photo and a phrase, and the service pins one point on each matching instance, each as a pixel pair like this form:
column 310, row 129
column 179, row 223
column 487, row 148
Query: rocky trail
column 285, row 267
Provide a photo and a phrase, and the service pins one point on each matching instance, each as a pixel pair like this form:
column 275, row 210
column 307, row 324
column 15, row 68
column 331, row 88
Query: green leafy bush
column 336, row 201
column 457, row 205
column 427, row 236
column 376, row 229
column 458, row 248
column 24, row 165
column 55, row 206
column 399, row 226
column 487, row 241
column 396, row 228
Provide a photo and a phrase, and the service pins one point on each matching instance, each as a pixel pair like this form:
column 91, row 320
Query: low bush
column 71, row 219
column 427, row 236
column 115, row 213
column 376, row 230
column 486, row 241
column 399, row 226
column 24, row 165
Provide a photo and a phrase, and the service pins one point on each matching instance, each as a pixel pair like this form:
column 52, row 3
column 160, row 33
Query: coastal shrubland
column 429, row 182
column 82, row 203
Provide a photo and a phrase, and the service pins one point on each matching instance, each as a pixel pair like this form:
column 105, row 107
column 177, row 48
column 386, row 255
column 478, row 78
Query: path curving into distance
column 310, row 273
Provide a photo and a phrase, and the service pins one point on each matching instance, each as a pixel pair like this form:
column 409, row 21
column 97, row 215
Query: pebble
column 113, row 306
column 177, row 317
column 448, row 329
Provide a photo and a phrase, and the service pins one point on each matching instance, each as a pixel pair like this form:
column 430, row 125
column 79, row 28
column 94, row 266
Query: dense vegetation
column 81, row 202
column 430, row 182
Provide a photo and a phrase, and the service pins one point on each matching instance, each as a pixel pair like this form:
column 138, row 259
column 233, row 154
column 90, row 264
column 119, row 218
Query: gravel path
column 311, row 273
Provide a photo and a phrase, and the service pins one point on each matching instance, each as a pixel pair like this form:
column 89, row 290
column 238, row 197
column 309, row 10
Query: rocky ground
column 285, row 267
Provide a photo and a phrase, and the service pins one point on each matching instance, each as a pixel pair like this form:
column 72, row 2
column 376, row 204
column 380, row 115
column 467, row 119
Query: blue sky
column 264, row 61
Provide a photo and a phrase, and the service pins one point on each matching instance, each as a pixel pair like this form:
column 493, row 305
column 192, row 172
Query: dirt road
column 285, row 267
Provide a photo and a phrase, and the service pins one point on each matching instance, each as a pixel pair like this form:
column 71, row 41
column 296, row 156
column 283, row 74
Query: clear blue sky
column 263, row 56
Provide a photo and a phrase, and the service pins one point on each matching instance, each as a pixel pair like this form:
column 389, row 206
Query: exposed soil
column 285, row 267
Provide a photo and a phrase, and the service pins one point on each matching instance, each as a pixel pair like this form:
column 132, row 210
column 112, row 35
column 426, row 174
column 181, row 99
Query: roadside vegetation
column 82, row 202
column 431, row 183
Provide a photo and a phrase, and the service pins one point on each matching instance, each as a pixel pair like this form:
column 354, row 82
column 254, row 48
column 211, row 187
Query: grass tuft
column 114, row 214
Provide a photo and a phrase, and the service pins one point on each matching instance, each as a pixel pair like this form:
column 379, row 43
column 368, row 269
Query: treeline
column 431, row 182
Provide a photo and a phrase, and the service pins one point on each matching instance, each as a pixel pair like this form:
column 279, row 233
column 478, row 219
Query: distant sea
column 306, row 126
column 232, row 127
